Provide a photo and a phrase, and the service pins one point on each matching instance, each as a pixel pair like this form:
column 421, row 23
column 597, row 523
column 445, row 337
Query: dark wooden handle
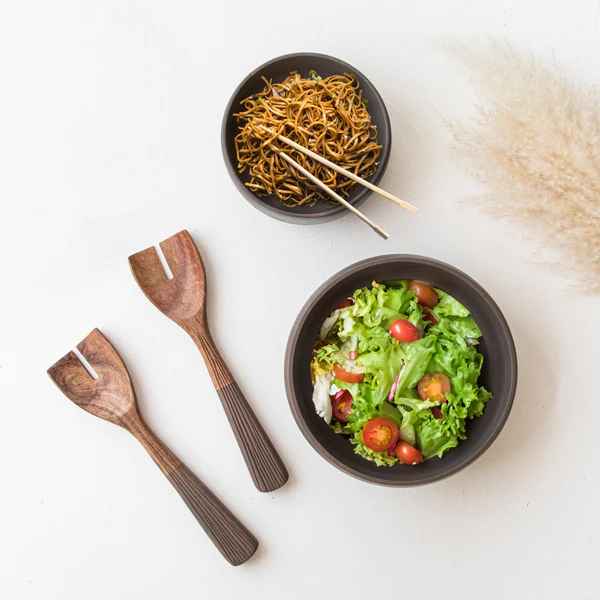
column 266, row 467
column 233, row 540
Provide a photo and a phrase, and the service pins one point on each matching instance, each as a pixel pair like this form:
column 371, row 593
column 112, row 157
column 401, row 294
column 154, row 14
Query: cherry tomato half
column 380, row 434
column 407, row 454
column 347, row 376
column 434, row 387
column 425, row 294
column 404, row 331
column 345, row 303
column 341, row 403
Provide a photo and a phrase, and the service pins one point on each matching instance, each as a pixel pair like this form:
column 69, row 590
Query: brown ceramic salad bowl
column 499, row 373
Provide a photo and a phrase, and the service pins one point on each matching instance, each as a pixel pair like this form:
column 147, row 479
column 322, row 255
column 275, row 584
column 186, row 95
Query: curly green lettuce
column 392, row 370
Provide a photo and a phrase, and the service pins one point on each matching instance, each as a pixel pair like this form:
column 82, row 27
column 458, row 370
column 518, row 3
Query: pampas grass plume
column 535, row 147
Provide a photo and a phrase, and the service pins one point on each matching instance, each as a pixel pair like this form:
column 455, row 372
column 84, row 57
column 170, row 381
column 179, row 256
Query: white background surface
column 109, row 143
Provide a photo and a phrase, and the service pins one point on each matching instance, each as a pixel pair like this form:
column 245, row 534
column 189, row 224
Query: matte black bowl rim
column 362, row 192
column 333, row 281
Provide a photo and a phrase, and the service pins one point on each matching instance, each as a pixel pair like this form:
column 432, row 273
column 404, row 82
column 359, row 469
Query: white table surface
column 110, row 126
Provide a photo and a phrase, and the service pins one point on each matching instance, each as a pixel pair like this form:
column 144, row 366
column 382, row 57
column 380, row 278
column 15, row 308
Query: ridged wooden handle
column 266, row 467
column 233, row 540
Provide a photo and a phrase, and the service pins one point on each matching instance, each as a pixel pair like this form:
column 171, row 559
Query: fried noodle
column 326, row 115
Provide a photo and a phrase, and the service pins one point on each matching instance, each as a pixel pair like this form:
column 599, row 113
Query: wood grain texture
column 183, row 300
column 234, row 541
column 266, row 468
column 112, row 397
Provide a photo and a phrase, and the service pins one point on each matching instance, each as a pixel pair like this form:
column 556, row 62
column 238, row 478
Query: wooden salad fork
column 183, row 300
column 111, row 397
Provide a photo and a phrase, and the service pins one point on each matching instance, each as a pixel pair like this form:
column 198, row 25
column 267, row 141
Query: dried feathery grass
column 535, row 145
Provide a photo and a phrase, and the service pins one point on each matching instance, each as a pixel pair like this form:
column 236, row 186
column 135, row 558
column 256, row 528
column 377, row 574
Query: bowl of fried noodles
column 321, row 103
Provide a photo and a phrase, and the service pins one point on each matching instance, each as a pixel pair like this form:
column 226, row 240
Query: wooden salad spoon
column 183, row 300
column 111, row 397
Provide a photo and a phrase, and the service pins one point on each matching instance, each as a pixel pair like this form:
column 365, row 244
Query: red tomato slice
column 404, row 331
column 341, row 403
column 434, row 387
column 407, row 454
column 380, row 434
column 347, row 376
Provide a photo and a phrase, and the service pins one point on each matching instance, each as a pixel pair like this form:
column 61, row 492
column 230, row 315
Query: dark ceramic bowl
column 277, row 70
column 499, row 373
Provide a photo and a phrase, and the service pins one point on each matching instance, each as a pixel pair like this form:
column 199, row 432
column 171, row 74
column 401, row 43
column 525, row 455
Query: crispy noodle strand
column 326, row 115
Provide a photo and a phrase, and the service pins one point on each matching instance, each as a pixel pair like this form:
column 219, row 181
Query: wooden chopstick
column 329, row 191
column 345, row 172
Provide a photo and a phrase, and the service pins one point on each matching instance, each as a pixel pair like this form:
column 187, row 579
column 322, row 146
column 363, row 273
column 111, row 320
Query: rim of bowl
column 328, row 211
column 299, row 323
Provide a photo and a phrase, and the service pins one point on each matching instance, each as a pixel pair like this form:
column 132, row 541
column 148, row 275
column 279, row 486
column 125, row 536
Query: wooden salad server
column 111, row 397
column 183, row 300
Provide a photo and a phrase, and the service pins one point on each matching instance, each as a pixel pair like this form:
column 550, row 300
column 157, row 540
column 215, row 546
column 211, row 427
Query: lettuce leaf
column 432, row 437
column 449, row 306
column 416, row 360
column 458, row 329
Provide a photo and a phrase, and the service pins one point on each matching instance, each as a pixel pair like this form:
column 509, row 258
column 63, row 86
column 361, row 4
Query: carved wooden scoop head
column 182, row 298
column 109, row 397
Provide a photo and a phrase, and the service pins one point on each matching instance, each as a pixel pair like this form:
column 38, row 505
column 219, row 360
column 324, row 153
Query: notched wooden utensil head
column 109, row 397
column 182, row 298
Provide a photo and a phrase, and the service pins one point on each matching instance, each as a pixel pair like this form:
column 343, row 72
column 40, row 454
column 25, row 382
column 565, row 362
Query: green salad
column 396, row 369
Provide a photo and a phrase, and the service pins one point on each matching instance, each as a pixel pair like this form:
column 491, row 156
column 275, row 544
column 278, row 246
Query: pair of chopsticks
column 342, row 171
